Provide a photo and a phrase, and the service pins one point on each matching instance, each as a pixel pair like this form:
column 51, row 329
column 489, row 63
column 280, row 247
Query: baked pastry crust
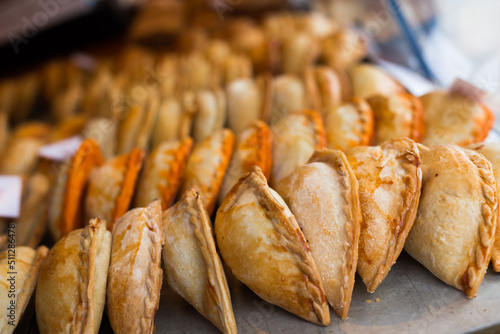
column 454, row 232
column 162, row 173
column 261, row 242
column 323, row 87
column 210, row 113
column 390, row 181
column 111, row 187
column 454, row 119
column 207, row 165
column 397, row 115
column 73, row 281
column 192, row 266
column 253, row 149
column 135, row 275
column 27, row 266
column 491, row 151
column 369, row 80
column 349, row 125
column 295, row 138
column 66, row 207
column 323, row 196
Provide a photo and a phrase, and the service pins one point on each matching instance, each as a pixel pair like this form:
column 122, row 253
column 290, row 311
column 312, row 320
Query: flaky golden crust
column 253, row 149
column 27, row 266
column 454, row 119
column 192, row 266
column 453, row 234
column 261, row 242
column 73, row 281
column 349, row 125
column 323, row 196
column 135, row 275
column 207, row 165
column 491, row 151
column 295, row 138
column 397, row 115
column 162, row 173
column 390, row 181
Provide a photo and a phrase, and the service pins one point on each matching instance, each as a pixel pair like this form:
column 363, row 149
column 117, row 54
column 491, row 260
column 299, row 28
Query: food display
column 265, row 155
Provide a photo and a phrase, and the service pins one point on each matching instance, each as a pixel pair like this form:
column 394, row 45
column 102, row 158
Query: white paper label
column 61, row 150
column 11, row 187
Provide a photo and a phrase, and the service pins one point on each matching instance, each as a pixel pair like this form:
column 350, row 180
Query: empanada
column 324, row 88
column 103, row 130
column 397, row 115
column 135, row 274
column 454, row 119
column 491, row 151
column 261, row 242
column 369, row 80
column 289, row 95
column 390, row 180
column 207, row 165
column 323, row 197
column 66, row 205
column 19, row 287
column 162, row 173
column 454, row 232
column 295, row 138
column 210, row 113
column 168, row 122
column 71, row 289
column 349, row 125
column 253, row 148
column 111, row 187
column 299, row 50
column 192, row 266
column 343, row 48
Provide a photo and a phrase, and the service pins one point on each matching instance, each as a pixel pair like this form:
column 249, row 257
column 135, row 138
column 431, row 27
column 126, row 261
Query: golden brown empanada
column 210, row 113
column 135, row 274
column 26, row 264
column 323, row 197
column 261, row 242
column 491, row 151
column 343, row 48
column 454, row 232
column 66, row 205
column 168, row 122
column 162, row 173
column 390, row 180
column 295, row 138
column 454, row 119
column 71, row 289
column 192, row 266
column 253, row 148
column 368, row 80
column 103, row 130
column 207, row 165
column 349, row 125
column 324, row 88
column 397, row 115
column 111, row 187
column 299, row 50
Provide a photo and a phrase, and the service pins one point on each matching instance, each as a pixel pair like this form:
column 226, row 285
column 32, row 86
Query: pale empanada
column 111, row 187
column 349, row 125
column 25, row 263
column 207, row 165
column 66, row 205
column 103, row 130
column 454, row 119
column 71, row 289
column 162, row 173
column 369, row 80
column 299, row 50
column 135, row 274
column 323, row 197
column 324, row 87
column 210, row 113
column 168, row 123
column 390, row 180
column 397, row 115
column 289, row 95
column 491, row 151
column 192, row 266
column 454, row 232
column 295, row 138
column 253, row 148
column 261, row 242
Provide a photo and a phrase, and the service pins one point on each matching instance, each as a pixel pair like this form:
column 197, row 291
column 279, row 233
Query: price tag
column 61, row 150
column 11, row 187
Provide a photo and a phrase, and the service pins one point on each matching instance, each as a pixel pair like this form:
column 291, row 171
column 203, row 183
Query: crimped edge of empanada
column 350, row 193
column 316, row 120
column 367, row 135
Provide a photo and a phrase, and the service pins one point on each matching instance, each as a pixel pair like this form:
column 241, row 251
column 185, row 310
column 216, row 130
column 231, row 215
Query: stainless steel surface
column 410, row 300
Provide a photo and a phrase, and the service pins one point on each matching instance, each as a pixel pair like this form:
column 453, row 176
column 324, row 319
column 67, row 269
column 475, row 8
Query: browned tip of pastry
column 133, row 166
column 259, row 143
column 319, row 128
column 86, row 157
